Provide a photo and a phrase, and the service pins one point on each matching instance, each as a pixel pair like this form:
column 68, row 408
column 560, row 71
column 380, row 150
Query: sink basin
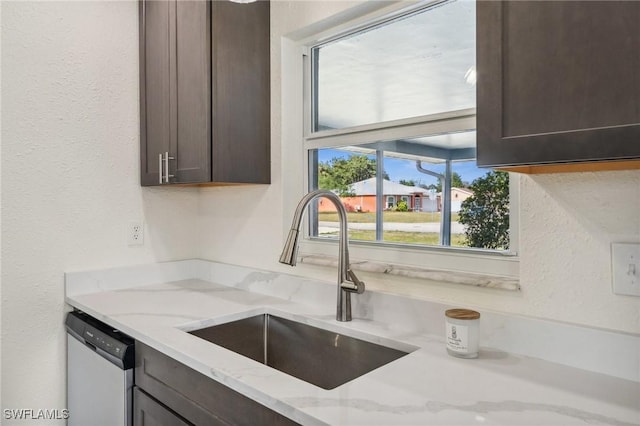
column 323, row 358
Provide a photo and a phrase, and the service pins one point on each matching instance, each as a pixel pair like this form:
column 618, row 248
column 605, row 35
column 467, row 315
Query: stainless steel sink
column 320, row 357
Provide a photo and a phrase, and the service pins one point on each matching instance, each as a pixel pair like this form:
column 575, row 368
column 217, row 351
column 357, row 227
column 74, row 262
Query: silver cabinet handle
column 166, row 167
column 163, row 169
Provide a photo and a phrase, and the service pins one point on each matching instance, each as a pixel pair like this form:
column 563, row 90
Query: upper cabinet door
column 193, row 82
column 241, row 150
column 157, row 23
column 175, row 91
column 558, row 82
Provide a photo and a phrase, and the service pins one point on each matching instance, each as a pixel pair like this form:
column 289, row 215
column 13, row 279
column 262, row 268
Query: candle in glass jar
column 462, row 327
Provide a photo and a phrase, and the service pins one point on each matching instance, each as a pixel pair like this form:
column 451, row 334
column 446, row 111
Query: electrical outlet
column 135, row 233
column 625, row 265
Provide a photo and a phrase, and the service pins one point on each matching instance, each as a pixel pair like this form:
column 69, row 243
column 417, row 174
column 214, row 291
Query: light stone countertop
column 426, row 387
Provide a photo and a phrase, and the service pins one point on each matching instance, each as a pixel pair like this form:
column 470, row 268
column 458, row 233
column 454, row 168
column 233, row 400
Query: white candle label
column 458, row 338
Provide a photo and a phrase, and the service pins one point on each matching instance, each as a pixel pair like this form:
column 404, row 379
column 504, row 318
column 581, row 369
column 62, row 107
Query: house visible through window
column 392, row 132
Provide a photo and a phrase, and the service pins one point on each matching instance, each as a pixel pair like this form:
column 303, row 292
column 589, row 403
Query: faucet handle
column 353, row 284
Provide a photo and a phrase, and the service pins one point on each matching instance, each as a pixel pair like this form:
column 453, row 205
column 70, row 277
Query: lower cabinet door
column 195, row 397
column 149, row 412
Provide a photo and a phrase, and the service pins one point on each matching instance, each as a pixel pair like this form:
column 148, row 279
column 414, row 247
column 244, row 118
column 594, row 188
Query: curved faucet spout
column 347, row 281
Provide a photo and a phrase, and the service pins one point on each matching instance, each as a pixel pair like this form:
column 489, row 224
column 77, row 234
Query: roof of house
column 463, row 190
column 368, row 187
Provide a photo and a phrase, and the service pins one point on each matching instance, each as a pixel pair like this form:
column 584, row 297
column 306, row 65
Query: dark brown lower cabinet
column 174, row 394
column 149, row 412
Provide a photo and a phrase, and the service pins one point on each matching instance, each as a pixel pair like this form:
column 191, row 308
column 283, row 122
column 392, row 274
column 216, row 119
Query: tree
column 412, row 182
column 339, row 173
column 456, row 182
column 486, row 213
column 402, row 206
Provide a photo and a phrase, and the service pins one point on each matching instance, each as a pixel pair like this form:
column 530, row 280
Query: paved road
column 456, row 227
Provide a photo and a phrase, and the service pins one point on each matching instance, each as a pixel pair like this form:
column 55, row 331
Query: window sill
column 452, row 277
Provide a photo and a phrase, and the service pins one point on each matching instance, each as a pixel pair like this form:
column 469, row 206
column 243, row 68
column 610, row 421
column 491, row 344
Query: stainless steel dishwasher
column 99, row 373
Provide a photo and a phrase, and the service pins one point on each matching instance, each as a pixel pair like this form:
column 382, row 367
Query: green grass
column 429, row 238
column 398, row 217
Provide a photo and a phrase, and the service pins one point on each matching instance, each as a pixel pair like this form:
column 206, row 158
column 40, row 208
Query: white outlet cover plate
column 625, row 267
column 135, row 233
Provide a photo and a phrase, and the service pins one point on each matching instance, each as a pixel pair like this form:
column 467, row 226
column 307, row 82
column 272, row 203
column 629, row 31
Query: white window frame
column 391, row 198
column 298, row 140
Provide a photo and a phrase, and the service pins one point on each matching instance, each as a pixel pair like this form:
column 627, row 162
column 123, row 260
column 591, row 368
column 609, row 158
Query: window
column 389, row 125
column 391, row 202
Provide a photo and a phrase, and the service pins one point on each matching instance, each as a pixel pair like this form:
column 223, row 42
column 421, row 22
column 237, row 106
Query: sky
column 398, row 169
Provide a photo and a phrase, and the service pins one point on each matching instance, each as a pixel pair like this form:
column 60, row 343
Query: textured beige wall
column 568, row 222
column 70, row 178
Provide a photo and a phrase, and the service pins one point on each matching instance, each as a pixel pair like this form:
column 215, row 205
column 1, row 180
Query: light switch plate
column 625, row 265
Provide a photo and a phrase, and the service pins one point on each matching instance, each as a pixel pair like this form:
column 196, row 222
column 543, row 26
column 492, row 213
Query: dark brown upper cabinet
column 204, row 92
column 558, row 83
